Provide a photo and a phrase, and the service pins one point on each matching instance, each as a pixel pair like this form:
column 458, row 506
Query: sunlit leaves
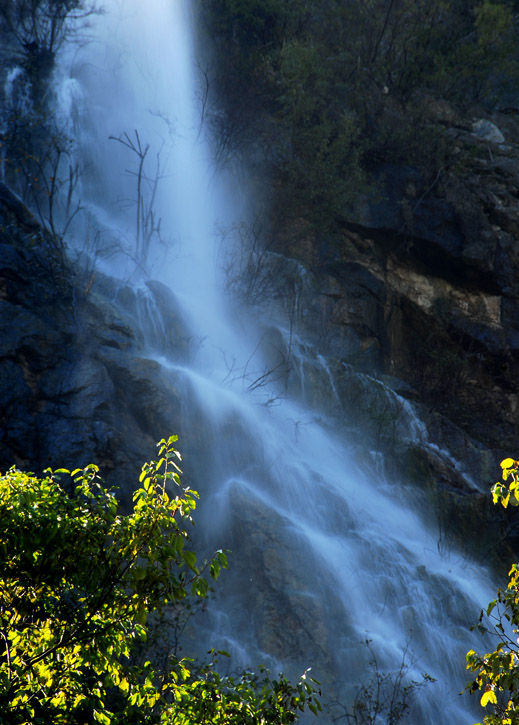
column 507, row 494
column 79, row 583
column 488, row 696
column 80, row 579
column 508, row 463
column 497, row 672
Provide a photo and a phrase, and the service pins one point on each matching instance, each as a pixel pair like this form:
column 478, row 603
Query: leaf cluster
column 497, row 672
column 507, row 494
column 79, row 583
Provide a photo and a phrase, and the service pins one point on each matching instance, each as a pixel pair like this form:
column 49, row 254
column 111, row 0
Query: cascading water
column 325, row 552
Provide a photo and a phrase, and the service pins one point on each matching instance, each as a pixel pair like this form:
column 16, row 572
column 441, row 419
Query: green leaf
column 139, row 573
column 101, row 717
column 488, row 696
column 190, row 559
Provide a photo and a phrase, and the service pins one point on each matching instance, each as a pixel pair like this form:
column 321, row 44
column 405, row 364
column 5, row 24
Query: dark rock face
column 74, row 387
column 421, row 284
column 37, row 332
column 415, row 300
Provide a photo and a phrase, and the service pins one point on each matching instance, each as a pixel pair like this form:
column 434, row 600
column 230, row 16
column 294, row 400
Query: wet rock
column 75, row 386
column 508, row 219
column 283, row 610
column 422, row 285
column 171, row 333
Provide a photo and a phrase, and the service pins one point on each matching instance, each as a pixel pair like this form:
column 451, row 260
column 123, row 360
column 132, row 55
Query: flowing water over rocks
column 285, row 446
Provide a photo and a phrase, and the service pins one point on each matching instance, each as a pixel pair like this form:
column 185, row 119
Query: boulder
column 488, row 131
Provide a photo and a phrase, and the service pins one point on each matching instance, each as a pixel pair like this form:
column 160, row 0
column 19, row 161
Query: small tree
column 37, row 154
column 36, row 30
column 79, row 582
column 42, row 167
column 497, row 672
column 147, row 222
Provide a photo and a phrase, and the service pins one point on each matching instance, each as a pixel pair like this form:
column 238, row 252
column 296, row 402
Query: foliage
column 320, row 156
column 503, row 494
column 79, row 583
column 332, row 89
column 497, row 672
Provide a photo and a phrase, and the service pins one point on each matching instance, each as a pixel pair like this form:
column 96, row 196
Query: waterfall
column 326, row 552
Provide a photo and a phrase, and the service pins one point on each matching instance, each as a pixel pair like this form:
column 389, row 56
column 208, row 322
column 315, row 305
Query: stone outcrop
column 411, row 316
column 75, row 385
column 421, row 284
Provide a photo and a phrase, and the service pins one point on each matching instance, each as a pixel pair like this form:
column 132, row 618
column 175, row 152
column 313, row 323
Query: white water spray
column 343, row 555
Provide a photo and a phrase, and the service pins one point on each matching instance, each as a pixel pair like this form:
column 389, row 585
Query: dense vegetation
column 81, row 584
column 324, row 92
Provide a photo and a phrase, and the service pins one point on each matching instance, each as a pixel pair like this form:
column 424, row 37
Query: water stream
column 326, row 551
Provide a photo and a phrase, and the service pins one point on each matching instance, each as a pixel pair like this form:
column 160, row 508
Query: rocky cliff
column 409, row 313
column 76, row 386
column 419, row 289
column 420, row 284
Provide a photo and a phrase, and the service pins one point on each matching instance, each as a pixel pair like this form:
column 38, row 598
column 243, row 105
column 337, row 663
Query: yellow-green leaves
column 78, row 581
column 508, row 463
column 492, row 21
column 497, row 672
column 488, row 696
column 507, row 494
